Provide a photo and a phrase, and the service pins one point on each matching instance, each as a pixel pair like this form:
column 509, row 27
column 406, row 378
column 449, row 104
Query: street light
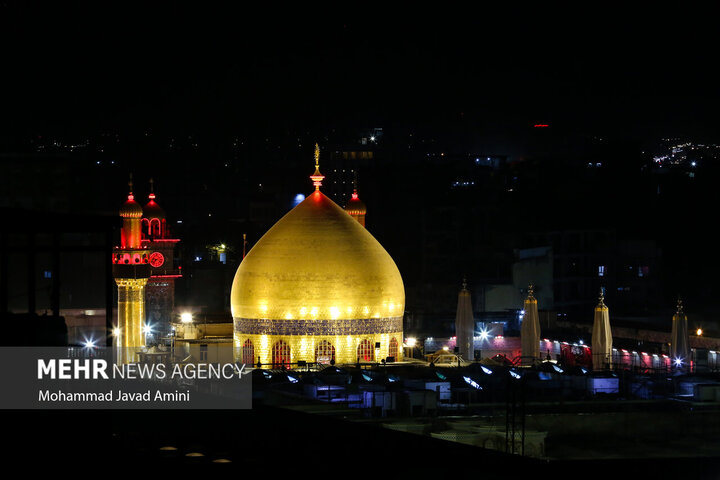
column 186, row 317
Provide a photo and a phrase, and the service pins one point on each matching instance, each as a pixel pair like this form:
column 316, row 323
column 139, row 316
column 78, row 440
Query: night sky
column 80, row 67
column 259, row 86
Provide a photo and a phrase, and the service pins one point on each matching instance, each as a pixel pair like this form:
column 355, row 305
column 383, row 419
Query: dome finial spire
column 317, row 177
column 130, row 188
column 152, row 189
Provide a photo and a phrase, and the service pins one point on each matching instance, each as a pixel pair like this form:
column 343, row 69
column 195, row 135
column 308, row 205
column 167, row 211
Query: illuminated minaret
column 160, row 291
column 355, row 207
column 464, row 324
column 131, row 270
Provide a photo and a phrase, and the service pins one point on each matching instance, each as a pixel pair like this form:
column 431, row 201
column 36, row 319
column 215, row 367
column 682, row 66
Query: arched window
column 248, row 352
column 393, row 349
column 155, row 227
column 366, row 351
column 324, row 352
column 281, row 354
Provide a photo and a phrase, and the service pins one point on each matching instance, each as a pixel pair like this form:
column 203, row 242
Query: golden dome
column 131, row 208
column 317, row 263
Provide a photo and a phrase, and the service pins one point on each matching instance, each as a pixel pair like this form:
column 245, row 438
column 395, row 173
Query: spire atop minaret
column 317, row 177
column 531, row 291
column 601, row 299
column 464, row 284
column 354, row 194
column 152, row 189
column 130, row 188
column 679, row 306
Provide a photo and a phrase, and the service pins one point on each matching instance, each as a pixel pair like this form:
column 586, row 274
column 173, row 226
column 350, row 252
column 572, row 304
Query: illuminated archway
column 324, row 352
column 248, row 352
column 280, row 354
column 393, row 349
column 366, row 351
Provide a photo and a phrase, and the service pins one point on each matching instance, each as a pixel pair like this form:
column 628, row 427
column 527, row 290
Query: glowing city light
column 699, row 332
column 116, row 332
column 186, row 317
column 483, row 334
column 486, row 370
column 89, row 344
column 298, row 199
column 411, row 342
column 147, row 329
column 472, row 383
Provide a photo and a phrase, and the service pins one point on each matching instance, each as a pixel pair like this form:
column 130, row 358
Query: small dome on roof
column 131, row 208
column 355, row 206
column 152, row 209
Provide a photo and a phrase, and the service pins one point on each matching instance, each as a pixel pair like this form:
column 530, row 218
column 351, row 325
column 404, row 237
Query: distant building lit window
column 203, row 353
column 47, row 274
column 643, row 271
column 601, row 270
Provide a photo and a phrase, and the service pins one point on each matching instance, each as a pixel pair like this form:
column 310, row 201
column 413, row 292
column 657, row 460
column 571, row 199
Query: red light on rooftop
column 540, row 125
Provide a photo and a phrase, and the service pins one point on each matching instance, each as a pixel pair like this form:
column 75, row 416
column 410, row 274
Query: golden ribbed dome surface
column 317, row 263
column 131, row 208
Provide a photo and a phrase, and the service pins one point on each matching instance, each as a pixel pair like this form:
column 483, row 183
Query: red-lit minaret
column 356, row 207
column 160, row 291
column 131, row 270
